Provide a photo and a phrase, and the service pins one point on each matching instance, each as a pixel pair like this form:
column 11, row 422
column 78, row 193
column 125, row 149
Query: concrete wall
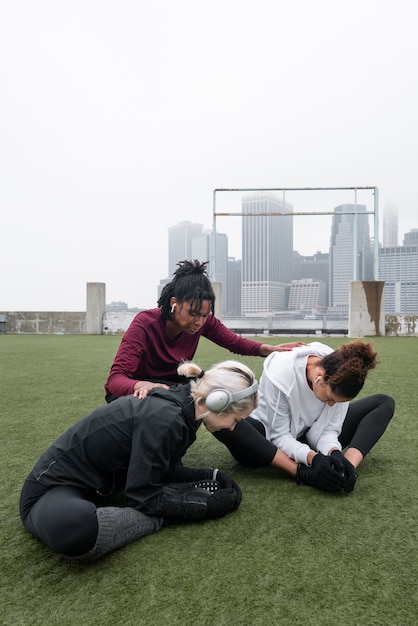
column 45, row 323
column 116, row 322
column 96, row 307
column 367, row 308
column 401, row 325
column 367, row 318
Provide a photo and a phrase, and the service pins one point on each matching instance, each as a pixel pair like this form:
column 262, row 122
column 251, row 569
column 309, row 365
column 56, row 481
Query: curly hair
column 190, row 283
column 231, row 375
column 346, row 368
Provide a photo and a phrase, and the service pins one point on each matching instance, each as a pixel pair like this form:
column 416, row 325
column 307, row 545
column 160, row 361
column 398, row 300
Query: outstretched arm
column 284, row 462
column 267, row 349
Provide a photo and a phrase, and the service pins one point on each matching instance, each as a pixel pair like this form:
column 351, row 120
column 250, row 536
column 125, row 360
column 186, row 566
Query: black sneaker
column 208, row 485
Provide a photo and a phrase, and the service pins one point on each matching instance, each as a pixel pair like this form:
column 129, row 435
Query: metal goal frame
column 374, row 212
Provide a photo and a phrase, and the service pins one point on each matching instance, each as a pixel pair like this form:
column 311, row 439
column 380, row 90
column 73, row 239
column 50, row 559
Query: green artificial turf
column 289, row 555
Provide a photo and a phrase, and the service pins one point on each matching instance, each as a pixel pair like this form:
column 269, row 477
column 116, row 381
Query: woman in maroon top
column 157, row 340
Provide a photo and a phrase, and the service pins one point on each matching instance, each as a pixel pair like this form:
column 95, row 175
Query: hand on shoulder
column 267, row 349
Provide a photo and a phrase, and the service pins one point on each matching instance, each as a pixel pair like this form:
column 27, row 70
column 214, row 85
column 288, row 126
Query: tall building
column 390, row 226
column 188, row 241
column 398, row 267
column 201, row 249
column 349, row 237
column 315, row 266
column 267, row 254
column 411, row 238
column 180, row 238
column 307, row 295
column 232, row 297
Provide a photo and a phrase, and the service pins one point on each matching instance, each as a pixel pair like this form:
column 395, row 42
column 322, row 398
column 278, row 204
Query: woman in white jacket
column 305, row 417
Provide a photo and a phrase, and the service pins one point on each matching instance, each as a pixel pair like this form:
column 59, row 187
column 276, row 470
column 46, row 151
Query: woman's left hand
column 349, row 471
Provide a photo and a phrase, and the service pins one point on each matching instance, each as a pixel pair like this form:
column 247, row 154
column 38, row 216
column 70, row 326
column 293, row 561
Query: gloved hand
column 222, row 502
column 322, row 474
column 348, row 469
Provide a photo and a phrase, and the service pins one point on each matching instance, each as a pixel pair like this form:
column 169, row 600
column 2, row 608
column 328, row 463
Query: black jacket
column 135, row 446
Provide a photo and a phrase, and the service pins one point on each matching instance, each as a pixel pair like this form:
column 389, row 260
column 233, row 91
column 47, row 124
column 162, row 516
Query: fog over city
column 120, row 119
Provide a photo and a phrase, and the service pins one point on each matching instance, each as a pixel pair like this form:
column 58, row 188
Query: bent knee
column 72, row 534
column 387, row 401
column 386, row 404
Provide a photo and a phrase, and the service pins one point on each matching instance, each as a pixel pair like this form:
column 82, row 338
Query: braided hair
column 346, row 368
column 190, row 283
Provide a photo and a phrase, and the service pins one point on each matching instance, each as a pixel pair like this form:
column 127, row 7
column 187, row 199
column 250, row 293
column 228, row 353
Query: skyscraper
column 411, row 238
column 350, row 254
column 307, row 295
column 232, row 297
column 398, row 267
column 315, row 266
column 267, row 253
column 390, row 226
column 180, row 239
column 188, row 241
column 201, row 249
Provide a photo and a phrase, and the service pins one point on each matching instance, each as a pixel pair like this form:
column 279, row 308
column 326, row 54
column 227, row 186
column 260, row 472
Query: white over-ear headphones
column 219, row 399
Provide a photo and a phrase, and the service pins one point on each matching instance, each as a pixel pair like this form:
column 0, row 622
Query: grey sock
column 117, row 527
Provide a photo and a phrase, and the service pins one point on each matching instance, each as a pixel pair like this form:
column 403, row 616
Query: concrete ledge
column 289, row 331
column 117, row 322
column 45, row 323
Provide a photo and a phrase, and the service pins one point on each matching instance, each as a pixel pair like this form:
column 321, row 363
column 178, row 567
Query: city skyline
column 273, row 277
column 188, row 240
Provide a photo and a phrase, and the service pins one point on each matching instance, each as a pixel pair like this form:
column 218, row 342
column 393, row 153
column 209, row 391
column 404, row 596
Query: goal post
column 283, row 190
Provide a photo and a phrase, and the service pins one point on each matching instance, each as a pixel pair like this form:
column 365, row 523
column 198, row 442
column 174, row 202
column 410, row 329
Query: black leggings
column 62, row 517
column 364, row 424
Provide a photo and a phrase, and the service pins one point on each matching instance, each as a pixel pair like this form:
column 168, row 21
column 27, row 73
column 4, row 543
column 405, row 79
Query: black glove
column 348, row 469
column 322, row 474
column 222, row 502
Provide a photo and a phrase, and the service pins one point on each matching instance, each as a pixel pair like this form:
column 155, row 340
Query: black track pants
column 61, row 517
column 247, row 443
column 365, row 423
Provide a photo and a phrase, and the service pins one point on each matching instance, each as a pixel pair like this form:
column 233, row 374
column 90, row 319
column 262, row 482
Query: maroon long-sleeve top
column 146, row 352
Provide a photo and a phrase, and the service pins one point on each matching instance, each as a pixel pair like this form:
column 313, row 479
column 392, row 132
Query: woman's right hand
column 322, row 474
column 142, row 387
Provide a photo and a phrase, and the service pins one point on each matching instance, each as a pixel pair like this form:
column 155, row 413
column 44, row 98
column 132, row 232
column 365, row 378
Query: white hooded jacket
column 289, row 409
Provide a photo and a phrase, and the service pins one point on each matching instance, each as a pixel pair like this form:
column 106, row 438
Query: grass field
column 290, row 555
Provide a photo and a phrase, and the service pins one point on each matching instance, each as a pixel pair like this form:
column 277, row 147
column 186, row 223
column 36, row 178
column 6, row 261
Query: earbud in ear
column 172, row 308
column 317, row 379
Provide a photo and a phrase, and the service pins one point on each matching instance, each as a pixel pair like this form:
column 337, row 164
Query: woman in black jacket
column 135, row 446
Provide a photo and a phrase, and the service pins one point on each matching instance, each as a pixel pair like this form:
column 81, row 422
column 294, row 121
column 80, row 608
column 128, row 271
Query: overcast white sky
column 119, row 118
